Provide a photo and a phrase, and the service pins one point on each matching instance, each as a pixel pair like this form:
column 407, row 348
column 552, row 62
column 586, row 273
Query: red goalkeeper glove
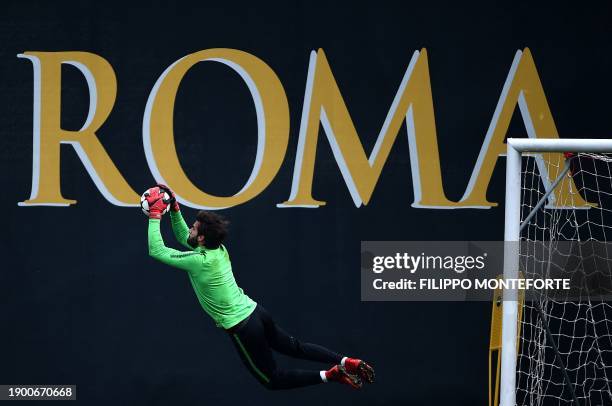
column 157, row 204
column 174, row 206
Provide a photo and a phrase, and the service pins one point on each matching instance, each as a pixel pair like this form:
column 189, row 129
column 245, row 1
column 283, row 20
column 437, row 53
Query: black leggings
column 255, row 341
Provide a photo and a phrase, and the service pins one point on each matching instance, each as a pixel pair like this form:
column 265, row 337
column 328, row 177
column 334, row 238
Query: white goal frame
column 516, row 148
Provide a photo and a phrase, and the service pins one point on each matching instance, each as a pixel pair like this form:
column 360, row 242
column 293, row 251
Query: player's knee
column 298, row 347
column 292, row 347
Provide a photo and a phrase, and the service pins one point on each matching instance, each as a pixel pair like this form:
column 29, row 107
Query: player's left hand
column 174, row 206
column 157, row 204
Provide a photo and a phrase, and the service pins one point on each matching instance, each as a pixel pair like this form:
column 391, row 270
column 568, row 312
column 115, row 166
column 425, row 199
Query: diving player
column 252, row 330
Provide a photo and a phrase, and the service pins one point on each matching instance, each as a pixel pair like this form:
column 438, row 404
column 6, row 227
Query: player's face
column 193, row 235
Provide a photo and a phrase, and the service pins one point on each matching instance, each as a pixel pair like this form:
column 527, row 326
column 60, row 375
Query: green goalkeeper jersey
column 210, row 273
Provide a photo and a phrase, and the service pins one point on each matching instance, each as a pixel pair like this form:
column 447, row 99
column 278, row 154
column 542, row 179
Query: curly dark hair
column 213, row 227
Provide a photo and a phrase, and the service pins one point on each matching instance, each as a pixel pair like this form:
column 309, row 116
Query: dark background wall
column 82, row 303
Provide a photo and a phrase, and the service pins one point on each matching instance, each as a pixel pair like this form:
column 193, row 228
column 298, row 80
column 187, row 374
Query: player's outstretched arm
column 170, row 256
column 179, row 226
column 157, row 248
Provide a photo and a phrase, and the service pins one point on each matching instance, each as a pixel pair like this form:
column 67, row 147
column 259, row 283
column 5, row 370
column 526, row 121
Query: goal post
column 543, row 202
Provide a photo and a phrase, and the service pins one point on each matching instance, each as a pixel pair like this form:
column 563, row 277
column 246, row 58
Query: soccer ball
column 144, row 205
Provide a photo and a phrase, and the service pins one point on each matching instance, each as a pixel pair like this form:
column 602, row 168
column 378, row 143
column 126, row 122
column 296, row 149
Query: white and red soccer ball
column 144, row 205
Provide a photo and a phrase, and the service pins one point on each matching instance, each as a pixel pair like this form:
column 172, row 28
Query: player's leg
column 254, row 350
column 287, row 344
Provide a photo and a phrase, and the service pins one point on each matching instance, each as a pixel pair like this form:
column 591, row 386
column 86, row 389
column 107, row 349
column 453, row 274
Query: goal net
column 564, row 352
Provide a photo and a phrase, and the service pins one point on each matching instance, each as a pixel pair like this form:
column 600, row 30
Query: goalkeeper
column 250, row 327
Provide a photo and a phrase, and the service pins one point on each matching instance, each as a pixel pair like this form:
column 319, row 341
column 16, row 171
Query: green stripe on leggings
column 246, row 354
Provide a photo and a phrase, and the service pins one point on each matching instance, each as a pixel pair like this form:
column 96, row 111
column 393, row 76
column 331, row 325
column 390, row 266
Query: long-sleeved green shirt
column 210, row 273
